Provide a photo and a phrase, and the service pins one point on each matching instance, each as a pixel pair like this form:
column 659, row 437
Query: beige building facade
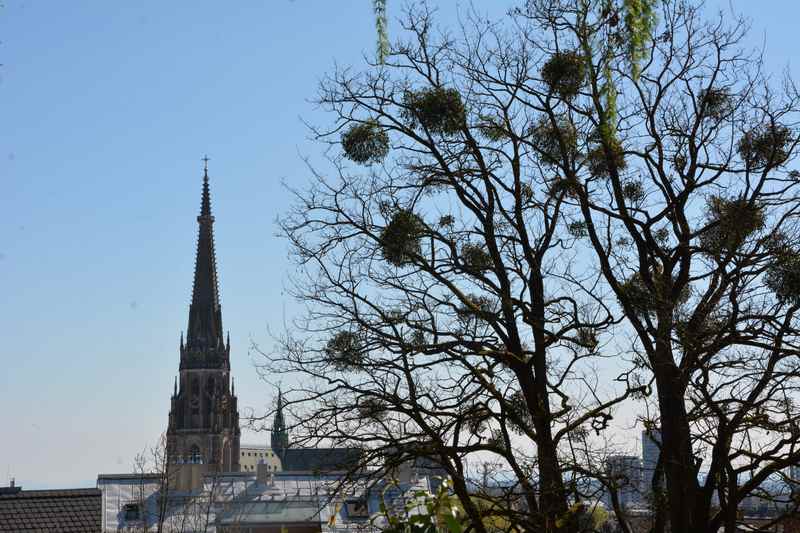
column 251, row 455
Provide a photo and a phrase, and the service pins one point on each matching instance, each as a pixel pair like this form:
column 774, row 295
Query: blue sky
column 105, row 111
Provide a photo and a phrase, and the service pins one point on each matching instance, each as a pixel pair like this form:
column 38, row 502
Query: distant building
column 651, row 450
column 260, row 502
column 794, row 474
column 66, row 511
column 251, row 455
column 624, row 473
column 309, row 460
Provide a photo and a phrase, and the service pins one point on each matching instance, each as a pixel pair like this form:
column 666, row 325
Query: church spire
column 280, row 437
column 205, row 317
column 204, row 413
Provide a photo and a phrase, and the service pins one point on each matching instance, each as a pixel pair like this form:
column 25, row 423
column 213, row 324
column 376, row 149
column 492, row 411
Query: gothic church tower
column 204, row 417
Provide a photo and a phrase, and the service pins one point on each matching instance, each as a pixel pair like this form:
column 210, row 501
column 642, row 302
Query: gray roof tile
column 67, row 511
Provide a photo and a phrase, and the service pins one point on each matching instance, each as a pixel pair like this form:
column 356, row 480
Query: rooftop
column 66, row 511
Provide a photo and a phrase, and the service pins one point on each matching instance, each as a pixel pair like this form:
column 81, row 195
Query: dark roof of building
column 429, row 465
column 319, row 459
column 65, row 511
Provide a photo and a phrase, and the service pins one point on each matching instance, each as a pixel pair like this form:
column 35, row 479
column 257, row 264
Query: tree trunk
column 676, row 447
column 553, row 498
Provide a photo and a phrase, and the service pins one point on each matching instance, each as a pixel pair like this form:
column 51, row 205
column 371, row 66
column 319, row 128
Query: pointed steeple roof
column 205, row 313
column 280, row 436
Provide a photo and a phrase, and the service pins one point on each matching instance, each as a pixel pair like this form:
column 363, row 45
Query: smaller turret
column 280, row 436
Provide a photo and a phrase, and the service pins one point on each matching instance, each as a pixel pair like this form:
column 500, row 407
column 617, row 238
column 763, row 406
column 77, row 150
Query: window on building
column 357, row 508
column 132, row 512
column 194, row 455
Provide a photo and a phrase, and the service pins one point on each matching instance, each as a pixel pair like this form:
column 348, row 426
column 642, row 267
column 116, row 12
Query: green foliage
column 365, row 143
column 477, row 307
column 661, row 235
column 638, row 294
column 765, row 146
column 601, row 162
column 548, row 139
column 587, row 338
column 731, row 222
column 608, row 119
column 679, row 162
column 519, row 407
column 394, row 317
column 475, row 259
column 437, row 109
column 381, row 29
column 372, row 408
column 446, row 221
column 645, row 300
column 441, row 512
column 584, row 518
column 344, row 350
column 492, row 128
column 401, row 239
column 525, row 193
column 565, row 73
column 694, row 336
column 570, row 187
column 578, row 229
column 477, row 417
column 640, row 23
column 783, row 273
column 715, row 103
column 633, row 190
column 417, row 339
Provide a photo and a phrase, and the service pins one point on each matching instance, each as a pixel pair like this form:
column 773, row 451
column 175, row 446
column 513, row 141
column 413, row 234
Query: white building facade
column 262, row 502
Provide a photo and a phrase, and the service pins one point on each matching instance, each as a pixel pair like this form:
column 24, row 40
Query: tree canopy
column 532, row 222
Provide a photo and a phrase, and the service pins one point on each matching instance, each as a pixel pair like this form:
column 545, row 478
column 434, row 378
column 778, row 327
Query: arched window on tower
column 195, row 457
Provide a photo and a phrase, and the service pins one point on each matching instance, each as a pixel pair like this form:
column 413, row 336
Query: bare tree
column 450, row 314
column 523, row 183
column 174, row 510
column 679, row 172
column 155, row 475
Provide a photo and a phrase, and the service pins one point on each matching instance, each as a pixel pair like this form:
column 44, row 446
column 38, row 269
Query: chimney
column 11, row 489
column 263, row 475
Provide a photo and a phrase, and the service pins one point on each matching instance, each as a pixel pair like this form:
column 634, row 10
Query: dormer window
column 357, row 508
column 132, row 512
